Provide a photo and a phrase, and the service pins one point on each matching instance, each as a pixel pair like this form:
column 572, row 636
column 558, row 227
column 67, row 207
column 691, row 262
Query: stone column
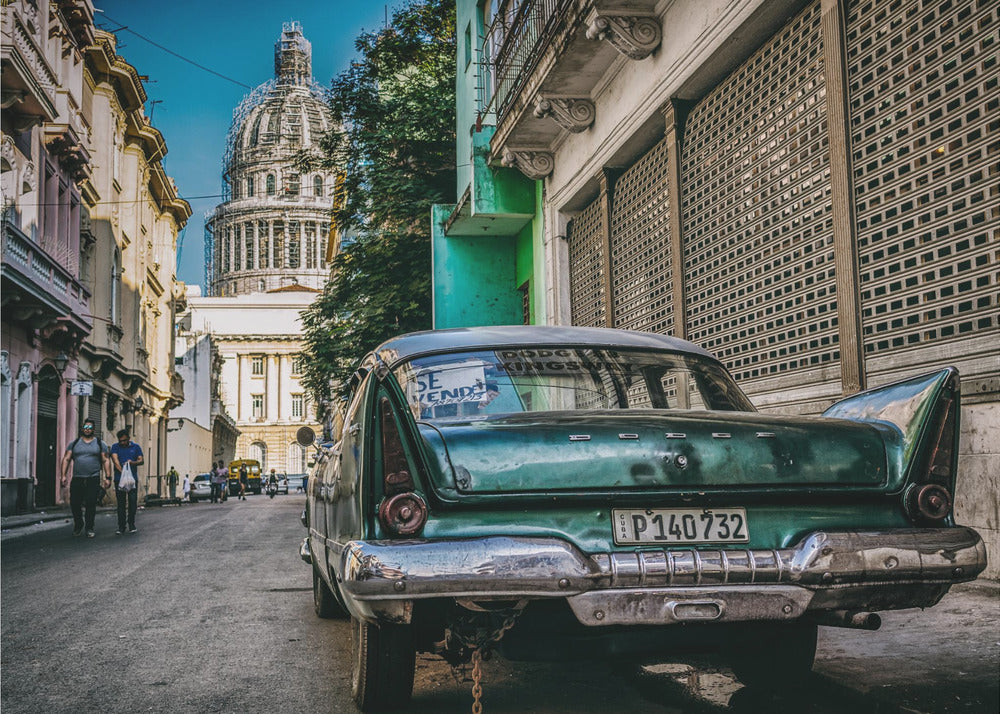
column 284, row 247
column 256, row 245
column 318, row 247
column 273, row 381
column 270, row 244
column 302, row 244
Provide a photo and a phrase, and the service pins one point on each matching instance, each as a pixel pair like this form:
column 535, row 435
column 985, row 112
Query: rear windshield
column 461, row 385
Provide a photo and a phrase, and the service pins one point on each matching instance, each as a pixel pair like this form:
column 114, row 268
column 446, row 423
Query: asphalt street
column 208, row 608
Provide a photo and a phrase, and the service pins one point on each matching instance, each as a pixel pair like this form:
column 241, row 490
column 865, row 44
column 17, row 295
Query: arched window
column 258, row 451
column 318, row 186
column 250, row 187
column 295, row 463
column 271, row 185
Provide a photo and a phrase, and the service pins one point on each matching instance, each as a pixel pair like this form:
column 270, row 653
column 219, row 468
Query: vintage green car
column 559, row 492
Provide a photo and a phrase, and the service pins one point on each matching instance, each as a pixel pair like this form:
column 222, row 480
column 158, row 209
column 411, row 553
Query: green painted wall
column 474, row 278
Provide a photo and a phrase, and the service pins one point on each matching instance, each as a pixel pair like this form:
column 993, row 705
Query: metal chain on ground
column 477, row 660
column 477, row 677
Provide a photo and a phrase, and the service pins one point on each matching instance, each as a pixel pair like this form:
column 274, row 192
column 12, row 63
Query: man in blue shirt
column 128, row 452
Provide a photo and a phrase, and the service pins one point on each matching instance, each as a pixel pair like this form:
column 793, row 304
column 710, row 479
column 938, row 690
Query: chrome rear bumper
column 843, row 570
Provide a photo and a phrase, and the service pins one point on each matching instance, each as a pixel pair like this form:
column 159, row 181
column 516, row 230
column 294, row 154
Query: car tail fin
column 925, row 412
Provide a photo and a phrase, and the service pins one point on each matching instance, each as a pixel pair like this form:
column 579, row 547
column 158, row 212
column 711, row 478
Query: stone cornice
column 107, row 66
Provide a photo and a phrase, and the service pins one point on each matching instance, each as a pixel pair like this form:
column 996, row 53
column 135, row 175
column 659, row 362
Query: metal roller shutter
column 925, row 125
column 586, row 268
column 641, row 269
column 758, row 233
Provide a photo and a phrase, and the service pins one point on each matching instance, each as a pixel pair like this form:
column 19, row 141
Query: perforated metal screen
column 758, row 232
column 586, row 272
column 925, row 124
column 641, row 269
column 757, row 228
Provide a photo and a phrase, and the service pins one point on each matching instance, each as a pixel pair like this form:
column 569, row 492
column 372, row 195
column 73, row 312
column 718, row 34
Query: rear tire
column 384, row 664
column 325, row 602
column 777, row 656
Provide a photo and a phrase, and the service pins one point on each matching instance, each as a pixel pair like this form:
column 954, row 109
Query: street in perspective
column 208, row 608
column 555, row 356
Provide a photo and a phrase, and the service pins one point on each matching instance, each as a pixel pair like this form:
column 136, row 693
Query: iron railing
column 513, row 44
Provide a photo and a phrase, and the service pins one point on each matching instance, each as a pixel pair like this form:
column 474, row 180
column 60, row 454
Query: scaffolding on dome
column 293, row 58
column 240, row 113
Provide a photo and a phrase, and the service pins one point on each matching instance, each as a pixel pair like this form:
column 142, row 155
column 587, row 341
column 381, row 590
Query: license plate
column 639, row 526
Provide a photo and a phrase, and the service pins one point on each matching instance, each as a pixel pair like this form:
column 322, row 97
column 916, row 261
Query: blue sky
column 194, row 108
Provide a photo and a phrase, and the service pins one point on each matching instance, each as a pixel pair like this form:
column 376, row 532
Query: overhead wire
column 179, row 56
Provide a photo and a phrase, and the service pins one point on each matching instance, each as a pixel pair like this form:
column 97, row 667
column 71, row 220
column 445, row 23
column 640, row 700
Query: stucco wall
column 976, row 501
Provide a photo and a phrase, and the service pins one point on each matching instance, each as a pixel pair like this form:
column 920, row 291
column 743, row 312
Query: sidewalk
column 62, row 512
column 55, row 513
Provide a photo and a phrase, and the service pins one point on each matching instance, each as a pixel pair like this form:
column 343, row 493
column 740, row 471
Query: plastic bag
column 126, row 482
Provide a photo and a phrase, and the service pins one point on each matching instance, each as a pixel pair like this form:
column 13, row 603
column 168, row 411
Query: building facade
column 807, row 189
column 129, row 265
column 256, row 347
column 199, row 419
column 90, row 223
column 486, row 247
column 45, row 171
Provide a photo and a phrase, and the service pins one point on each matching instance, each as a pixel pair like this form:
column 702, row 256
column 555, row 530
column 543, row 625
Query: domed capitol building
column 266, row 256
column 271, row 229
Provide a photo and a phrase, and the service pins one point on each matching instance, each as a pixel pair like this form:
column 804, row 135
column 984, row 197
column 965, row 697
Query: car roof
column 406, row 347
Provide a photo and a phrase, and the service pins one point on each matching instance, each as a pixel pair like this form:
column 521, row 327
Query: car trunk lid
column 667, row 449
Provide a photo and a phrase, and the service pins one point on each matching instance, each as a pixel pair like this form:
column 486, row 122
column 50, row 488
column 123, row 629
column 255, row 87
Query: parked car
column 562, row 492
column 201, row 488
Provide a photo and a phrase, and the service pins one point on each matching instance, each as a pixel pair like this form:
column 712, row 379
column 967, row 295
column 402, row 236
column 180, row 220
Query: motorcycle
column 272, row 488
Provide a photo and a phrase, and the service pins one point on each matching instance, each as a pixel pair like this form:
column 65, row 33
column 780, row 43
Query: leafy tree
column 395, row 146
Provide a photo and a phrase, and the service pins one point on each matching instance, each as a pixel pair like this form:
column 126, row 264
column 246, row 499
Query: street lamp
column 61, row 361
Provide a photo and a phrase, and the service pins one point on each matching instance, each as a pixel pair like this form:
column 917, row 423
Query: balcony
column 176, row 390
column 546, row 57
column 38, row 290
column 29, row 84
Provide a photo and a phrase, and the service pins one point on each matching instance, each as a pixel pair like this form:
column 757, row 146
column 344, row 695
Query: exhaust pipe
column 848, row 618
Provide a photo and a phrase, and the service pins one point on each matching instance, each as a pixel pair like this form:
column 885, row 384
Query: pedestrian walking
column 219, row 476
column 186, row 488
column 172, row 478
column 244, row 481
column 128, row 452
column 87, row 459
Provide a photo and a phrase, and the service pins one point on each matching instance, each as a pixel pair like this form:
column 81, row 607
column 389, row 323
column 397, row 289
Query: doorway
column 45, row 440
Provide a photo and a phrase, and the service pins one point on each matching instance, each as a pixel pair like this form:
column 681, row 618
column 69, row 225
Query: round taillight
column 933, row 502
column 403, row 514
